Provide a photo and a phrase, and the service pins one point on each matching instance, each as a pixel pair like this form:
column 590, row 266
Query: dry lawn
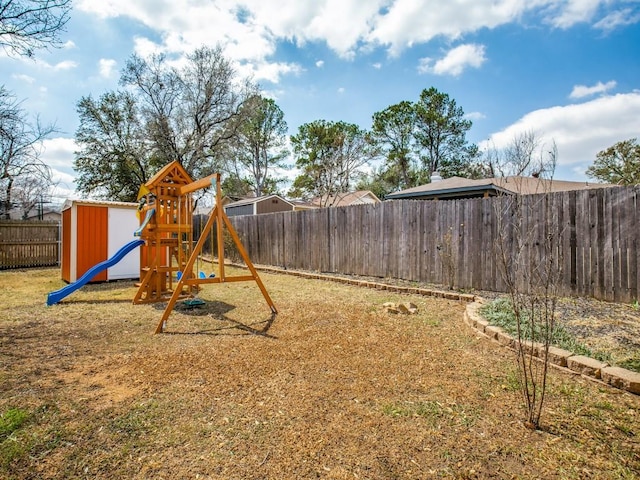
column 334, row 388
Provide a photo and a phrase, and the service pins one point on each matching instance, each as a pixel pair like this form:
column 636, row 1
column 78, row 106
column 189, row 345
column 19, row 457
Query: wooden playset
column 168, row 255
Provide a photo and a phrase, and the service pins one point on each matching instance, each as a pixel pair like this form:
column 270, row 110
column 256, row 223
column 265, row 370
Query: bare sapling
column 529, row 259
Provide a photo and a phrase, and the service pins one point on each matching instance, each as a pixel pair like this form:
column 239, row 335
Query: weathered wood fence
column 454, row 242
column 28, row 244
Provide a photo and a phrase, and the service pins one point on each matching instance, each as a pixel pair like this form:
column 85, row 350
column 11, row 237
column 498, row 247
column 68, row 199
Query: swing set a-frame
column 168, row 256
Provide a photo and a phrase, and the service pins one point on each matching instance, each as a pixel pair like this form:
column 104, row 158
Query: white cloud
column 455, row 61
column 60, row 66
column 24, row 78
column 475, row 116
column 570, row 12
column 580, row 91
column 409, row 22
column 65, row 65
column 320, row 63
column 106, row 67
column 251, row 31
column 269, row 71
column 619, row 18
column 341, row 24
column 144, row 47
column 68, row 45
column 341, row 90
column 377, row 65
column 580, row 131
column 58, row 154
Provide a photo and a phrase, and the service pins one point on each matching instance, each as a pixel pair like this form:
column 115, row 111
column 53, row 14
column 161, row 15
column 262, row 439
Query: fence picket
column 29, row 244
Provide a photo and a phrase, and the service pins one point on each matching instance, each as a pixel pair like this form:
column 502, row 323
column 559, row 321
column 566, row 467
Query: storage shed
column 94, row 231
column 258, row 205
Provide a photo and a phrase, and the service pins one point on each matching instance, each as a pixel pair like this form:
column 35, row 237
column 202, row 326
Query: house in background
column 299, row 205
column 258, row 205
column 361, row 197
column 46, row 215
column 37, row 213
column 457, row 187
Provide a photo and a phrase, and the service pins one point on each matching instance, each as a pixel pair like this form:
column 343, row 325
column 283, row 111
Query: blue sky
column 568, row 70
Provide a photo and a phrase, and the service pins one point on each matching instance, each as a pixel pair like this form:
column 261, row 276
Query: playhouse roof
column 173, row 173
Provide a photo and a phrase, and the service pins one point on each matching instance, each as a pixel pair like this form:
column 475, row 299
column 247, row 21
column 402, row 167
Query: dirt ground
column 332, row 388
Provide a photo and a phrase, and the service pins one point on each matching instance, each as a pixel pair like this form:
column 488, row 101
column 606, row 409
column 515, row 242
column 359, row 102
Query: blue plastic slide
column 55, row 297
column 150, row 213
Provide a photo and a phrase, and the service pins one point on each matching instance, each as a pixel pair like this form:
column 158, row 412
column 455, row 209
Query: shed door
column 92, row 239
column 66, row 245
column 122, row 223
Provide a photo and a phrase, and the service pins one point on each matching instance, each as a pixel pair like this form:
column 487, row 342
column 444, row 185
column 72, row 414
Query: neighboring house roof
column 302, row 204
column 252, row 200
column 457, row 187
column 47, row 214
column 359, row 197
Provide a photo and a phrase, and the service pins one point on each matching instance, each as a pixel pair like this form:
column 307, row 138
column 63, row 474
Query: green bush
column 500, row 313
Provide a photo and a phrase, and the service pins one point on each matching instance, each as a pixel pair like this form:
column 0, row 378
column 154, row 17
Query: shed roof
column 97, row 203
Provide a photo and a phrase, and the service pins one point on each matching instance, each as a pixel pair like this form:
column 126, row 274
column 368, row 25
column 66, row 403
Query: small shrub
column 500, row 313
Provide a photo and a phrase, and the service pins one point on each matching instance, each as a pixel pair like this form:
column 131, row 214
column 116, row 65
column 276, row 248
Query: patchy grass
column 499, row 312
column 333, row 388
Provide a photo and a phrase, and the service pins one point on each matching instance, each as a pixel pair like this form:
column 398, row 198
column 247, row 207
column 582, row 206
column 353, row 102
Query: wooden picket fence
column 29, row 244
column 453, row 243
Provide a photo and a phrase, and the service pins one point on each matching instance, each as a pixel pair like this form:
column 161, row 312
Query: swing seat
column 193, row 302
column 204, row 275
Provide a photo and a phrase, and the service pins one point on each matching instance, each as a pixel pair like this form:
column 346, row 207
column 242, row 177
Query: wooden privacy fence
column 593, row 235
column 28, row 244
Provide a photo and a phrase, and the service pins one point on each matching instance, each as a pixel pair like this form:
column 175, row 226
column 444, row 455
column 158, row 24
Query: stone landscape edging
column 590, row 368
column 463, row 297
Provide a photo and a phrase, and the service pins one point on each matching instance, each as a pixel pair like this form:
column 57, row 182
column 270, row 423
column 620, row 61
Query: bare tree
column 20, row 149
column 526, row 155
column 28, row 25
column 191, row 112
column 113, row 158
column 33, row 190
column 530, row 262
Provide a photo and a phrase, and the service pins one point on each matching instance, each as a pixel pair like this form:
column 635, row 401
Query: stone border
column 587, row 367
column 462, row 297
